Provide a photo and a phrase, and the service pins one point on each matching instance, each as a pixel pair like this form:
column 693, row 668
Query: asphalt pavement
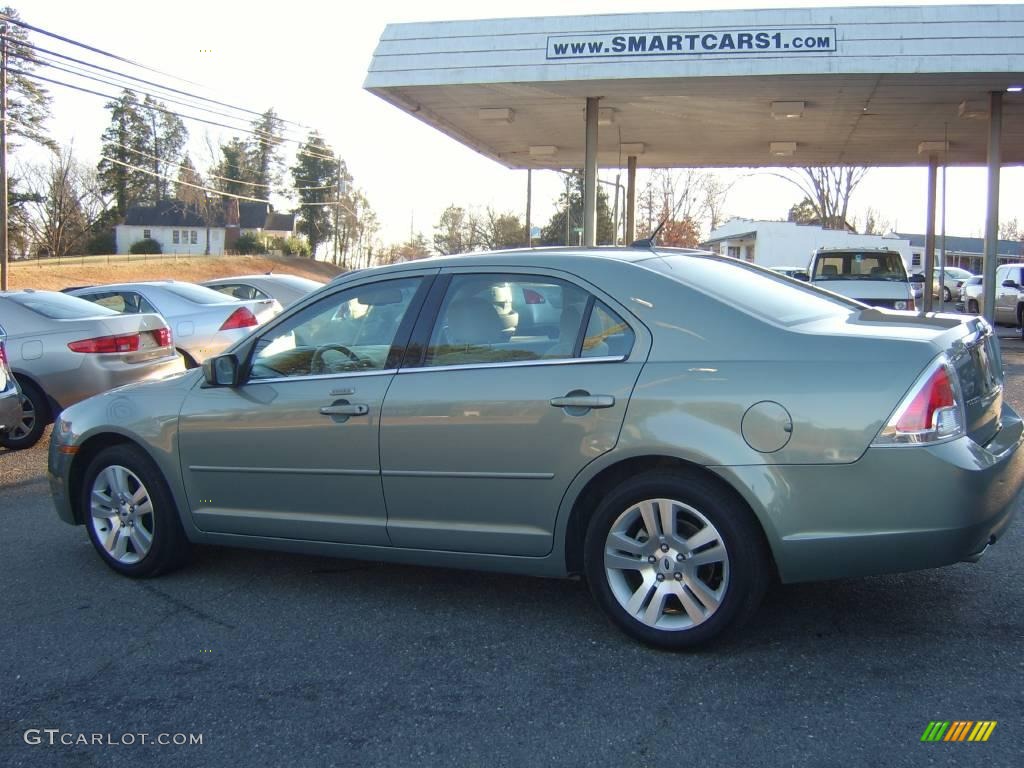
column 281, row 660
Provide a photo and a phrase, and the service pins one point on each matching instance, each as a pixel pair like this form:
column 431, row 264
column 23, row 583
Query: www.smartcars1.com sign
column 693, row 42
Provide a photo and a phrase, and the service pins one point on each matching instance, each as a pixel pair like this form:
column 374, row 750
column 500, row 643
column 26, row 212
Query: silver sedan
column 204, row 322
column 62, row 349
column 287, row 289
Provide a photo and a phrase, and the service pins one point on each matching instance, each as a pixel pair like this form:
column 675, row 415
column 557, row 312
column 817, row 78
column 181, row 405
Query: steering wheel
column 316, row 363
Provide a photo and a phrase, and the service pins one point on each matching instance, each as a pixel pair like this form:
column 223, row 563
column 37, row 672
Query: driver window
column 346, row 332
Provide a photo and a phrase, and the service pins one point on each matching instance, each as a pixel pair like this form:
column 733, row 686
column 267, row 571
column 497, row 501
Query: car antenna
column 648, row 242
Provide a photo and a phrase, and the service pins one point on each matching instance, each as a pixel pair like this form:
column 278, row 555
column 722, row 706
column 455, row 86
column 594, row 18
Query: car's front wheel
column 947, row 295
column 674, row 560
column 130, row 514
column 972, row 307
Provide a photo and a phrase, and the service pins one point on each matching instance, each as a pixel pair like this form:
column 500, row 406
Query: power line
column 149, row 82
column 299, row 151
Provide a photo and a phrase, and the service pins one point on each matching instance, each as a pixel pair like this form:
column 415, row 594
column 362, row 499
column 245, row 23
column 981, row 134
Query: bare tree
column 828, row 189
column 874, row 223
column 1010, row 230
column 62, row 197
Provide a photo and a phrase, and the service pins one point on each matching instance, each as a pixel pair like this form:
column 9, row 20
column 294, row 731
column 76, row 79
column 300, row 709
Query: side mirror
column 1010, row 284
column 917, row 278
column 221, row 371
column 801, row 276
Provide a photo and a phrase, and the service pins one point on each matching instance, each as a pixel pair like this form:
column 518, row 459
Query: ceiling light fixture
column 543, row 150
column 497, row 115
column 973, row 110
column 630, row 150
column 782, row 148
column 1014, row 88
column 787, row 110
column 932, row 147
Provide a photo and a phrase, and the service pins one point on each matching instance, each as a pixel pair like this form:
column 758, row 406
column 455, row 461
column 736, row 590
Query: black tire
column 947, row 295
column 741, row 579
column 187, row 359
column 169, row 548
column 36, row 415
column 972, row 307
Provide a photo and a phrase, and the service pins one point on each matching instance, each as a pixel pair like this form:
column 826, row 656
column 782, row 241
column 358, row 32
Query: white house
column 964, row 252
column 177, row 227
column 788, row 244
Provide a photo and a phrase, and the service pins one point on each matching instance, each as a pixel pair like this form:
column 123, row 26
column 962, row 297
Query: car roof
column 556, row 257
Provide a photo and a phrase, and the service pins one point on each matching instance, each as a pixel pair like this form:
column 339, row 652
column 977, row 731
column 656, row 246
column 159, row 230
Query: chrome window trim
column 514, row 364
column 323, row 376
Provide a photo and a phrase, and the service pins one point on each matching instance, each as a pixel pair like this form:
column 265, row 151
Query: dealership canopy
column 879, row 86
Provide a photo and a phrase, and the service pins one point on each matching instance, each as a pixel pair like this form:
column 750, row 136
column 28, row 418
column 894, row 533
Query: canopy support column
column 630, row 199
column 929, row 236
column 989, row 263
column 590, row 175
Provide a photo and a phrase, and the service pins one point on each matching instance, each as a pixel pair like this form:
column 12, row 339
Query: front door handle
column 573, row 400
column 350, row 409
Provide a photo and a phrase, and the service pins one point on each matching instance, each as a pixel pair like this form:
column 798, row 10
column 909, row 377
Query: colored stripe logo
column 958, row 730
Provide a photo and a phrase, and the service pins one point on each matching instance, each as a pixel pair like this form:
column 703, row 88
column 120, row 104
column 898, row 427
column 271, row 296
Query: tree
column 570, row 204
column 264, row 156
column 499, row 230
column 232, row 175
column 1010, row 230
column 28, row 103
column 125, row 143
column 827, row 191
column 167, row 137
column 185, row 188
column 874, row 223
column 454, row 232
column 803, row 212
column 416, row 247
column 315, row 175
column 58, row 221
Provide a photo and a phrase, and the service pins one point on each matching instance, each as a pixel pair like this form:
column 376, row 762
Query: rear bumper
column 10, row 408
column 895, row 509
column 96, row 375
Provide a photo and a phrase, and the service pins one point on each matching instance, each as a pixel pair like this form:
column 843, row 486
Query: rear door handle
column 352, row 409
column 583, row 401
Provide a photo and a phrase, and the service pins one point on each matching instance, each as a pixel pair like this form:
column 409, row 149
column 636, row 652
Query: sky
column 308, row 60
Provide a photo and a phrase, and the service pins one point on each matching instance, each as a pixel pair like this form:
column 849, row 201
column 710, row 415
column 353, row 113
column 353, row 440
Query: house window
column 195, row 237
column 915, row 260
column 174, row 237
column 147, row 234
column 734, row 251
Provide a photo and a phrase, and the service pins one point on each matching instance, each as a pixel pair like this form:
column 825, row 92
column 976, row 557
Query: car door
column 484, row 428
column 1006, row 296
column 292, row 451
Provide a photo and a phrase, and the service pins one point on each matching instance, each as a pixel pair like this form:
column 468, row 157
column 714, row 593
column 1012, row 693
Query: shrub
column 149, row 245
column 291, row 246
column 249, row 243
column 101, row 243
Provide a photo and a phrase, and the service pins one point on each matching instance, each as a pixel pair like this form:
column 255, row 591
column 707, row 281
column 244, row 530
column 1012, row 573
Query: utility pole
column 3, row 157
column 529, row 206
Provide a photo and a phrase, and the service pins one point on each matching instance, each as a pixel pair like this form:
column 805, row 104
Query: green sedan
column 694, row 428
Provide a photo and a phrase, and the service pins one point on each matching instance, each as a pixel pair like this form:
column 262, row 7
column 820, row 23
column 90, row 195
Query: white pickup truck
column 874, row 276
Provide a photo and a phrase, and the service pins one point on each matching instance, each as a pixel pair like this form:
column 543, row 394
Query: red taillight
column 106, row 344
column 162, row 336
column 532, row 297
column 936, row 393
column 240, row 318
column 929, row 412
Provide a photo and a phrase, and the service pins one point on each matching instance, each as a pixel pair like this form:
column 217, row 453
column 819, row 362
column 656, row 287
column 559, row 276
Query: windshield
column 197, row 294
column 59, row 306
column 860, row 265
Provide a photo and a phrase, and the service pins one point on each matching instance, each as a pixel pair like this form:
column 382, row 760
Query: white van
column 874, row 276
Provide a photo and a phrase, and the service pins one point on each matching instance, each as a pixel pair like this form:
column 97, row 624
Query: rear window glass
column 756, row 291
column 197, row 294
column 59, row 306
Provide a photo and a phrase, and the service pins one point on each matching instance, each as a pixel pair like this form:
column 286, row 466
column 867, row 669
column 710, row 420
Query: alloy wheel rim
column 28, row 420
column 121, row 514
column 666, row 564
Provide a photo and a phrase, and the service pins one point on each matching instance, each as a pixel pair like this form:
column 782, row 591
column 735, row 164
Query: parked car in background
column 10, row 397
column 797, row 273
column 62, row 349
column 697, row 428
column 204, row 321
column 1009, row 308
column 973, row 296
column 875, row 276
column 286, row 289
column 538, row 308
column 954, row 278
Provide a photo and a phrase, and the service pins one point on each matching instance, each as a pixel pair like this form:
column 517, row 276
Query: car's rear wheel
column 947, row 295
column 35, row 415
column 674, row 560
column 130, row 514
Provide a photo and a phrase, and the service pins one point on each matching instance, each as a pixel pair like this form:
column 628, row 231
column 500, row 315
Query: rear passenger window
column 607, row 334
column 521, row 318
